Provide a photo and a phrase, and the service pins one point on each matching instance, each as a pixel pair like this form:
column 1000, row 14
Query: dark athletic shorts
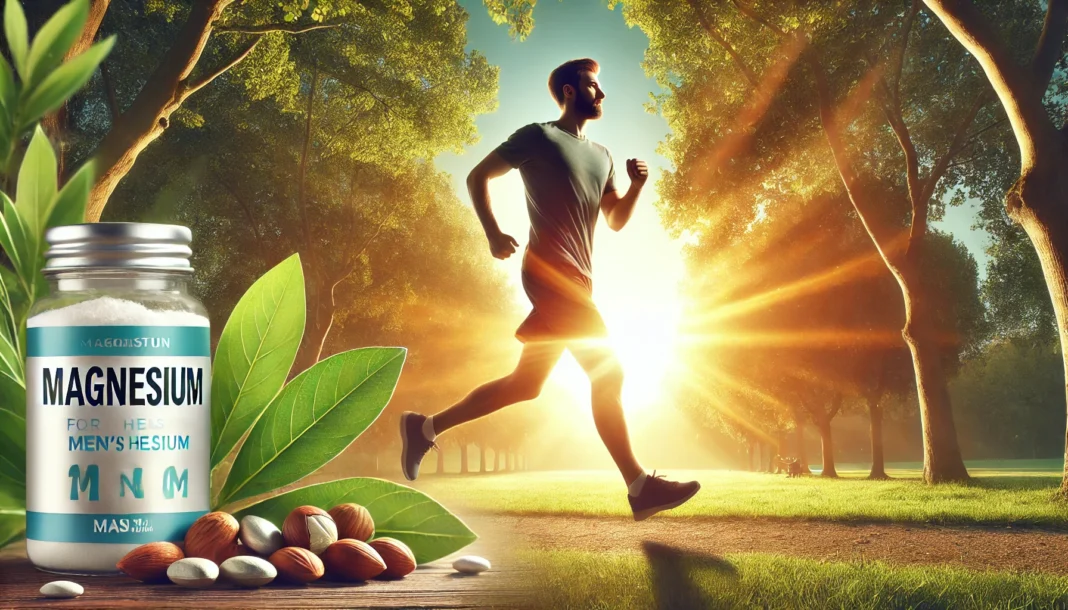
column 563, row 307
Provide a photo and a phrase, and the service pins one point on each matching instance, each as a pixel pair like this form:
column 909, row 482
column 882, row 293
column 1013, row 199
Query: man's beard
column 587, row 108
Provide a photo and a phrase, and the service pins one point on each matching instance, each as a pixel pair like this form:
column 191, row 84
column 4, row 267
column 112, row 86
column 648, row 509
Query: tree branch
column 872, row 224
column 253, row 226
column 283, row 28
column 1014, row 86
column 714, row 34
column 109, row 90
column 1050, row 43
column 899, row 54
column 190, row 89
column 749, row 12
column 955, row 146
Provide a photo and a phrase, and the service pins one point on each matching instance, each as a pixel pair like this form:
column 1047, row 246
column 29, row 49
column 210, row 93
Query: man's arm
column 618, row 207
column 502, row 246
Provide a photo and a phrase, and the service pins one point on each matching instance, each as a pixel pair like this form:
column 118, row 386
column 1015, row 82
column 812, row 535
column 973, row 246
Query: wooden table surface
column 435, row 585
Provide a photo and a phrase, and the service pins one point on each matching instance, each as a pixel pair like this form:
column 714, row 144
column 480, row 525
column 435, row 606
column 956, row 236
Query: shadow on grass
column 673, row 573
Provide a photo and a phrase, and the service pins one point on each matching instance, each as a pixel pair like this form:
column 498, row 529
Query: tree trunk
column 1041, row 208
column 163, row 93
column 827, row 446
column 55, row 124
column 441, row 462
column 878, row 465
column 942, row 461
column 749, row 455
column 463, row 458
column 482, row 458
column 497, row 460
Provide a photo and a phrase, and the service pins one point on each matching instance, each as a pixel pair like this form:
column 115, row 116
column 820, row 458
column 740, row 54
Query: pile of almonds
column 312, row 543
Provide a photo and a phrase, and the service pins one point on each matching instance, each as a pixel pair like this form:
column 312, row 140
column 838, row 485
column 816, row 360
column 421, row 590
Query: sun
column 637, row 278
column 638, row 275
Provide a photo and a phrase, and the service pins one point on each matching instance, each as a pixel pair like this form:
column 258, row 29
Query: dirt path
column 982, row 548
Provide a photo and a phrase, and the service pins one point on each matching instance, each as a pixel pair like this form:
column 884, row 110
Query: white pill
column 471, row 564
column 248, row 571
column 193, row 572
column 62, row 588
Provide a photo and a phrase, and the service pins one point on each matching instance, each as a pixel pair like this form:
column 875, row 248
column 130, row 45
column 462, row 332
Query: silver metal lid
column 118, row 245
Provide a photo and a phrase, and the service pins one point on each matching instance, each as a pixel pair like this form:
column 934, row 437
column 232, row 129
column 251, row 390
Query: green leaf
column 14, row 241
column 63, row 82
column 12, row 526
column 255, row 352
column 9, row 94
column 36, row 187
column 54, row 39
column 400, row 512
column 17, row 34
column 69, row 207
column 318, row 414
column 12, row 438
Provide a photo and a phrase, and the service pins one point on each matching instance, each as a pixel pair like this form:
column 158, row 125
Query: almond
column 309, row 527
column 353, row 560
column 400, row 561
column 214, row 537
column 297, row 565
column 353, row 521
column 149, row 562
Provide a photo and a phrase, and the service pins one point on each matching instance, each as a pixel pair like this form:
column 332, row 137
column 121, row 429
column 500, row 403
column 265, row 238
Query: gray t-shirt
column 565, row 177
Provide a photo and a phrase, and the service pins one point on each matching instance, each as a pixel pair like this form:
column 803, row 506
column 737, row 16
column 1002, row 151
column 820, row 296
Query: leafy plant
column 294, row 429
column 266, row 434
column 44, row 83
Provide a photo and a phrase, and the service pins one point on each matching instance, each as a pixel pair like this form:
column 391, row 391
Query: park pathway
column 978, row 548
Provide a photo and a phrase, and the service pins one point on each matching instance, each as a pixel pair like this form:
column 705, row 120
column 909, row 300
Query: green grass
column 666, row 578
column 1020, row 496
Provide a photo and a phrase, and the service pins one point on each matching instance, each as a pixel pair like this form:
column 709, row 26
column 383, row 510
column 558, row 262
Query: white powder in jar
column 110, row 311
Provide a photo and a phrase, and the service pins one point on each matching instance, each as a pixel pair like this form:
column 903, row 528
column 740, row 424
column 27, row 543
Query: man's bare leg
column 646, row 494
column 606, row 388
column 524, row 383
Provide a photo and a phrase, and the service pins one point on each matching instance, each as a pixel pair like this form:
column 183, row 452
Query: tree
column 778, row 71
column 1038, row 200
column 252, row 41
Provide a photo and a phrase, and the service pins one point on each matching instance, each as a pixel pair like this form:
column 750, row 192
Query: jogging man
column 569, row 180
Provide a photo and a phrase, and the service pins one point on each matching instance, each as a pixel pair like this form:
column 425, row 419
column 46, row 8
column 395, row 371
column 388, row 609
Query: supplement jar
column 118, row 419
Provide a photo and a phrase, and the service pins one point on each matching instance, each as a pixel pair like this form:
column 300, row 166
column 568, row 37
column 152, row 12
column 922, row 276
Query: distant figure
column 791, row 466
column 569, row 180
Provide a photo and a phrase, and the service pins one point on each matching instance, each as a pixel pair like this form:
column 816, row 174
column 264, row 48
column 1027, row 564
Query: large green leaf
column 12, row 526
column 399, row 512
column 18, row 38
column 71, row 200
column 16, row 243
column 63, row 82
column 255, row 352
column 315, row 417
column 54, row 39
column 36, row 190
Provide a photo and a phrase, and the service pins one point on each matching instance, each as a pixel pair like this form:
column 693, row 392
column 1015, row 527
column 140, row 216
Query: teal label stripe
column 45, row 341
column 133, row 528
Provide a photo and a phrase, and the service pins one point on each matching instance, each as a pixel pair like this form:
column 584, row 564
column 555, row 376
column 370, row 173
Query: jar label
column 118, row 432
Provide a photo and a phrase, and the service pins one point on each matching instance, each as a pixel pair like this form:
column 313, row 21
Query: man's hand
column 501, row 245
column 638, row 172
